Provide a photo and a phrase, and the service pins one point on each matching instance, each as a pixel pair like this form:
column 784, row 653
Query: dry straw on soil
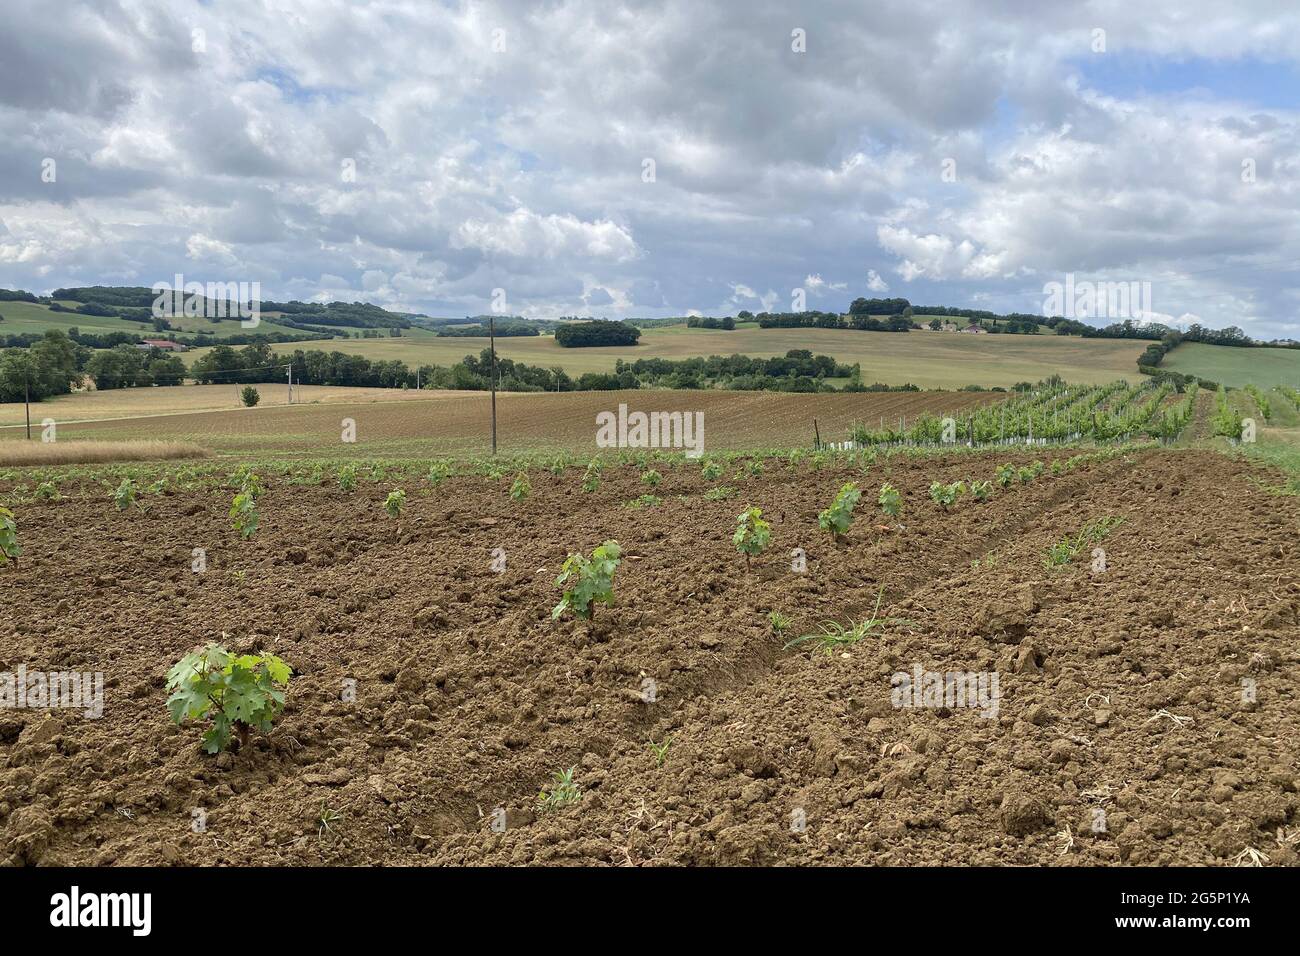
column 84, row 452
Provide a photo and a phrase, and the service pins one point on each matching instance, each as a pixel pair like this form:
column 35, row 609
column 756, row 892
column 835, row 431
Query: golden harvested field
column 927, row 359
column 20, row 453
column 459, row 422
column 170, row 399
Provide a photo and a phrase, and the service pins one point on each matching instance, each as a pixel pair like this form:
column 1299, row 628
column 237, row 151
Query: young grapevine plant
column 124, row 496
column 348, row 478
column 837, row 518
column 521, row 487
column 890, row 501
column 590, row 581
column 1005, row 475
column 945, row 496
column 249, row 483
column 9, row 547
column 243, row 513
column 1225, row 420
column 1028, row 473
column 439, row 472
column 394, row 503
column 752, row 534
column 235, row 693
column 981, row 490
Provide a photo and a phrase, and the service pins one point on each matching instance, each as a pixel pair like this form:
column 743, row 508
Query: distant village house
column 936, row 325
column 163, row 344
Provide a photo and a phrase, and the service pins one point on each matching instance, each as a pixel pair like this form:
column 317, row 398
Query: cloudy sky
column 626, row 158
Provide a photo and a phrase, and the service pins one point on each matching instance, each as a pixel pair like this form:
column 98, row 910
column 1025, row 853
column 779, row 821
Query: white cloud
column 206, row 249
column 743, row 295
column 522, row 170
column 815, row 284
column 527, row 234
column 932, row 256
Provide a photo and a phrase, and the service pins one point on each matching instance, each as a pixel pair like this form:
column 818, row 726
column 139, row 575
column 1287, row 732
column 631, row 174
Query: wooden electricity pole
column 492, row 344
column 27, row 399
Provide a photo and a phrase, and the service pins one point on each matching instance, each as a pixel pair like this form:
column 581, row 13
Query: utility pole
column 27, row 399
column 492, row 340
column 290, row 368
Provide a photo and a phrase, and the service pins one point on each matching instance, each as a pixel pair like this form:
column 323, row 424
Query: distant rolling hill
column 926, row 359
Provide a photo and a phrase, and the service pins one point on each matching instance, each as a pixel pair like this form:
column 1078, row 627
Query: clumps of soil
column 1147, row 714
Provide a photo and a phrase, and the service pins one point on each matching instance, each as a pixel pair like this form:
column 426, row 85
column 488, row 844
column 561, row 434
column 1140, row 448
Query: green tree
column 17, row 369
column 122, row 366
column 167, row 370
column 216, row 366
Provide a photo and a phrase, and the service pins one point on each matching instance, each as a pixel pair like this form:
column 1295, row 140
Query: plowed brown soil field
column 1148, row 713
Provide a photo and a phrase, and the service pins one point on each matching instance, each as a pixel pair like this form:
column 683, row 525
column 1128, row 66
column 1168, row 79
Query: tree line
column 798, row 370
column 726, row 323
column 860, row 321
column 56, row 363
column 504, row 329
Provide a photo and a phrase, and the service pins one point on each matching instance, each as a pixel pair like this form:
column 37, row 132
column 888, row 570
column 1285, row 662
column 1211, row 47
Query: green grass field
column 926, row 359
column 1235, row 366
column 21, row 317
